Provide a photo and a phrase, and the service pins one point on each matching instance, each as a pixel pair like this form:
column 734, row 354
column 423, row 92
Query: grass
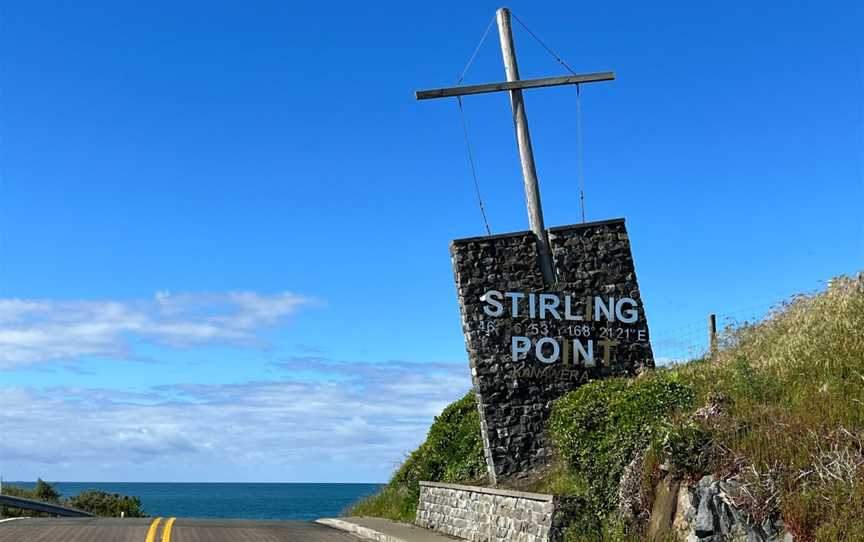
column 780, row 408
column 791, row 394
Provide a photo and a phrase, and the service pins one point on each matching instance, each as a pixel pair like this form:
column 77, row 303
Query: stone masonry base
column 492, row 515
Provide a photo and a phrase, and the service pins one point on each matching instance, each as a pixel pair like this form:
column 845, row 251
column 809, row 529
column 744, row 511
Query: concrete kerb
column 382, row 530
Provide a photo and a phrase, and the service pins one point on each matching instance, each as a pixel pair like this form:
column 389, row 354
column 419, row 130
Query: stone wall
column 492, row 515
column 514, row 398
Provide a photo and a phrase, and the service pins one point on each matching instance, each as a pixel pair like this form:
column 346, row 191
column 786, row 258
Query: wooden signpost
column 523, row 137
column 545, row 310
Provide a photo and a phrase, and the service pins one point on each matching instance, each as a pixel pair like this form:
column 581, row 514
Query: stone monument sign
column 545, row 310
column 530, row 342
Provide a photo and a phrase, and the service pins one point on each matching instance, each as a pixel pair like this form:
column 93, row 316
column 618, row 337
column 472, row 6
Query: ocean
column 231, row 500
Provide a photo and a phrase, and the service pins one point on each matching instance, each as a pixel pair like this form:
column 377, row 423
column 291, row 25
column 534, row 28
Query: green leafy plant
column 685, row 445
column 599, row 427
column 452, row 452
column 94, row 501
column 107, row 504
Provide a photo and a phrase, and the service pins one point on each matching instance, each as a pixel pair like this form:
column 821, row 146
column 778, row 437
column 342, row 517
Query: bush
column 598, row 428
column 452, row 452
column 104, row 504
column 93, row 501
column 685, row 445
column 43, row 491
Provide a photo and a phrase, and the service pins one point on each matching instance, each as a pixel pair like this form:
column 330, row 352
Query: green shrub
column 43, row 491
column 599, row 427
column 452, row 452
column 104, row 504
column 93, row 501
column 684, row 444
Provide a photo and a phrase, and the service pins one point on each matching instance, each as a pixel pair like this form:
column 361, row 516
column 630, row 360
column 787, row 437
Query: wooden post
column 526, row 152
column 712, row 333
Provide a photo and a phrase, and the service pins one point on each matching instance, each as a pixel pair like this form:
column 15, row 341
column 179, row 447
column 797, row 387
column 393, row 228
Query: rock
column 517, row 397
column 685, row 511
column 704, row 524
column 706, row 512
column 725, row 521
column 705, row 481
column 630, row 496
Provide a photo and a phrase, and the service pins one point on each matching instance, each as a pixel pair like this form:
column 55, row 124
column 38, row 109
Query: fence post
column 712, row 334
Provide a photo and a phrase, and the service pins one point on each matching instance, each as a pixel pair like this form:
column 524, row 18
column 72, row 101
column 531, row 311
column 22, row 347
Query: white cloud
column 34, row 331
column 356, row 414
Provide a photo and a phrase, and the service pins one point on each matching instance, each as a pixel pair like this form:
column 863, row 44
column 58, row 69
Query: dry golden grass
column 792, row 422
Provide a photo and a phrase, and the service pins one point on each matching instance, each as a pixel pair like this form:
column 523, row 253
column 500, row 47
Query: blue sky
column 224, row 226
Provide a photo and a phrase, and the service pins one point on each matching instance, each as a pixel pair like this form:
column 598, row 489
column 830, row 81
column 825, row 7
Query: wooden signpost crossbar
column 514, row 86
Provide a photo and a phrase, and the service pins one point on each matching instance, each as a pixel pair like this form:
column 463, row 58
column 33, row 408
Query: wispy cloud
column 33, row 331
column 358, row 413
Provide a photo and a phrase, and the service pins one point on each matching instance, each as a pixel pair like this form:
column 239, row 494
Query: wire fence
column 693, row 340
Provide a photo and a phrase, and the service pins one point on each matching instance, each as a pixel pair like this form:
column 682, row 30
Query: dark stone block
column 590, row 259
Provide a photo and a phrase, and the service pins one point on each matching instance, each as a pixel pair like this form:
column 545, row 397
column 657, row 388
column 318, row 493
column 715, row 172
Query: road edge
column 359, row 530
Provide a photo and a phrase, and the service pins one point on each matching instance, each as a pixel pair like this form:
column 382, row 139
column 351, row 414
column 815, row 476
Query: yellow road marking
column 166, row 530
column 151, row 532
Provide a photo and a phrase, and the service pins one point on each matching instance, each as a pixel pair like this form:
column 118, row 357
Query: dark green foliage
column 452, row 452
column 107, row 504
column 93, row 501
column 685, row 444
column 599, row 427
column 45, row 492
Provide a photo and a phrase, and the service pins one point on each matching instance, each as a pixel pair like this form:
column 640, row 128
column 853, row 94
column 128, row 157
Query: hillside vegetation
column 94, row 501
column 790, row 395
column 780, row 408
column 452, row 452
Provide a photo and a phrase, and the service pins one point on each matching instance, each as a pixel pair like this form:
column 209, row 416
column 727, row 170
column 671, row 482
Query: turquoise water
column 248, row 501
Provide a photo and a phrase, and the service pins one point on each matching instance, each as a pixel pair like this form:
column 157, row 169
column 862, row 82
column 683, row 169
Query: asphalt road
column 179, row 530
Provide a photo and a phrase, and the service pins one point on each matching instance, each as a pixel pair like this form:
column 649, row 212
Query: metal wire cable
column 465, row 127
column 542, row 44
column 471, row 163
column 579, row 155
column 476, row 50
column 579, row 151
